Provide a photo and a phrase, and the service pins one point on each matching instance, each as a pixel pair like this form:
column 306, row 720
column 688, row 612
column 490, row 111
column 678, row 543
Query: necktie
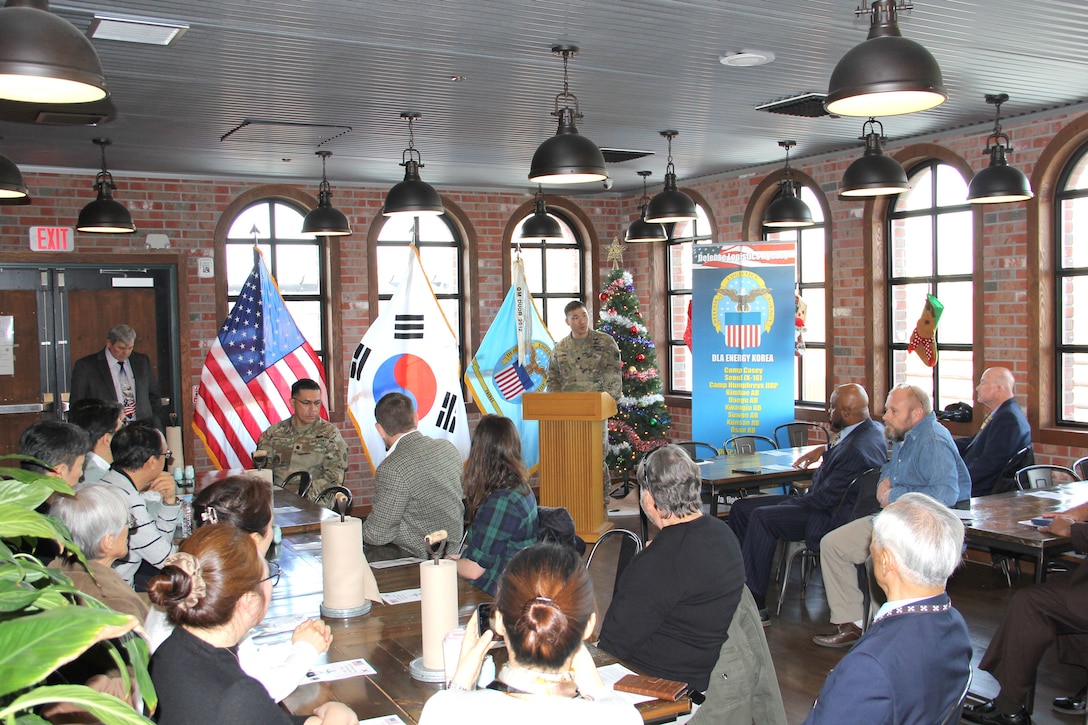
column 128, row 395
column 834, row 440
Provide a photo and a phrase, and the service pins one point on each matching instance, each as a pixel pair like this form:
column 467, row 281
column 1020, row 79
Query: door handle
column 21, row 408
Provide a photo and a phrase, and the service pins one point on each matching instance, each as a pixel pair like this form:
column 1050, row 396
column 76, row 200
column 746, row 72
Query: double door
column 53, row 314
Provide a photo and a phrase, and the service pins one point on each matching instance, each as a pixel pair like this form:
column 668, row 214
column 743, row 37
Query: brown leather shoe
column 846, row 635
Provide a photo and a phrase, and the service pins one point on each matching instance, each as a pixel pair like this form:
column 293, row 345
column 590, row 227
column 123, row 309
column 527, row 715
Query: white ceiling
column 644, row 66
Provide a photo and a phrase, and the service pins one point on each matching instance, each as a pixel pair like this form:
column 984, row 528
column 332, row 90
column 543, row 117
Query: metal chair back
column 1042, row 476
column 1007, row 480
column 699, row 451
column 630, row 545
column 796, row 434
column 747, row 444
column 303, row 478
column 1080, row 466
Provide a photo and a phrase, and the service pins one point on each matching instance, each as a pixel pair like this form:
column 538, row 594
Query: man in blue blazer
column 117, row 373
column 760, row 521
column 1004, row 432
column 913, row 664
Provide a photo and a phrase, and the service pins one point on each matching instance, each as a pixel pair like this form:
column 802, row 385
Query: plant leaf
column 17, row 520
column 139, row 656
column 33, row 646
column 29, row 494
column 106, row 708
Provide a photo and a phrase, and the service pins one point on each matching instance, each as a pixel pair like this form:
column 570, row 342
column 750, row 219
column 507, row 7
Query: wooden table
column 294, row 514
column 389, row 638
column 736, row 472
column 995, row 522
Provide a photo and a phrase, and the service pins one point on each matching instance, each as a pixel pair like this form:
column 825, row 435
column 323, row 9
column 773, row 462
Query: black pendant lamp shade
column 998, row 182
column 104, row 215
column 326, row 220
column 887, row 74
column 46, row 59
column 413, row 196
column 671, row 204
column 787, row 211
column 642, row 231
column 12, row 185
column 540, row 226
column 874, row 174
column 567, row 157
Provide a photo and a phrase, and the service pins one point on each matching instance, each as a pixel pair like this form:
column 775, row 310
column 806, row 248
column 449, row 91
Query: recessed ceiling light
column 746, row 58
column 457, row 78
column 135, row 30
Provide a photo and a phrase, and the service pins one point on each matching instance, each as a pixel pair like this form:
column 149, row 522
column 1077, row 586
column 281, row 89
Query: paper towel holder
column 352, row 612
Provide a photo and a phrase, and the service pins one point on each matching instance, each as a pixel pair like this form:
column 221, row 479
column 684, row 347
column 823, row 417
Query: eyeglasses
column 308, row 403
column 273, row 574
column 132, row 526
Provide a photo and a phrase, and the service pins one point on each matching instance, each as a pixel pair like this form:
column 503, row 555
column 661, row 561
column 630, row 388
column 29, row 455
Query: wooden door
column 21, row 389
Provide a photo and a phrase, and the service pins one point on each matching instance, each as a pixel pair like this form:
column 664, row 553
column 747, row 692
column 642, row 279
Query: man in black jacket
column 118, row 373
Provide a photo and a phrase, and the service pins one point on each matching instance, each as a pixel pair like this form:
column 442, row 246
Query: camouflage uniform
column 589, row 365
column 318, row 448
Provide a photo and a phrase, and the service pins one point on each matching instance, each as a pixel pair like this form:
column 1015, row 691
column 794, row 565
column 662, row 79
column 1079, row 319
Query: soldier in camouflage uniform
column 586, row 361
column 306, row 442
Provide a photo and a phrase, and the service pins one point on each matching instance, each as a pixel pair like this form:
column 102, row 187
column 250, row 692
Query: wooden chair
column 796, row 434
column 747, row 444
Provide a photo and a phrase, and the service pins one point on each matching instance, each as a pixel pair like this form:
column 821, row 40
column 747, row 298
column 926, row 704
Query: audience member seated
column 675, row 600
column 857, row 444
column 97, row 517
column 417, row 487
column 61, row 446
column 139, row 453
column 214, row 590
column 1004, row 431
column 912, row 665
column 924, row 459
column 101, row 419
column 1038, row 616
column 246, row 504
column 545, row 610
column 500, row 508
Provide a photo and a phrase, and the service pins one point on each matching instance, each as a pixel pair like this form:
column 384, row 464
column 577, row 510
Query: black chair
column 630, row 545
column 303, row 478
column 1081, row 467
column 866, row 504
column 747, row 444
column 1007, row 480
column 953, row 715
column 329, row 494
column 796, row 434
column 699, row 451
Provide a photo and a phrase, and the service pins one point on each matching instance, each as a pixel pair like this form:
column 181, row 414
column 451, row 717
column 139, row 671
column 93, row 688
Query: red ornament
column 634, row 330
column 612, row 311
column 640, row 357
column 602, row 296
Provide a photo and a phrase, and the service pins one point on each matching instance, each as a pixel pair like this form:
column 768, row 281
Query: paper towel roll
column 438, row 591
column 176, row 445
column 348, row 580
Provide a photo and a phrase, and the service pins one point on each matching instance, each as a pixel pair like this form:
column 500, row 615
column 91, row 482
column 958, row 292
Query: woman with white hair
column 98, row 518
column 913, row 664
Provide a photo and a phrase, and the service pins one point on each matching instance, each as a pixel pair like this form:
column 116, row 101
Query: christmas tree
column 642, row 420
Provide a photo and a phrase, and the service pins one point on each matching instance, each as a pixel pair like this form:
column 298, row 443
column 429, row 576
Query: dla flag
column 409, row 349
column 513, row 359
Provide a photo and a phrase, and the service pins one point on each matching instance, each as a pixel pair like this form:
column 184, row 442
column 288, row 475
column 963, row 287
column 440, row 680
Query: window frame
column 1059, row 274
column 542, row 296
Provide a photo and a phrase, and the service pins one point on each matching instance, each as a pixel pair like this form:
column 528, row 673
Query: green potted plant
column 45, row 622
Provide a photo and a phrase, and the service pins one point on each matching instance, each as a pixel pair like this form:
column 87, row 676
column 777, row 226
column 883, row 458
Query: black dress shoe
column 987, row 712
column 1071, row 705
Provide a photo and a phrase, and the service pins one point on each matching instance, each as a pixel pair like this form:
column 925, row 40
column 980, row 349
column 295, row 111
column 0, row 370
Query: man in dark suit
column 1004, row 432
column 417, row 488
column 760, row 521
column 1051, row 612
column 118, row 373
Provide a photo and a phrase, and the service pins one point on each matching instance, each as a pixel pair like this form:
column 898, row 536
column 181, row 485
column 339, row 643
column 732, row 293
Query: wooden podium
column 572, row 454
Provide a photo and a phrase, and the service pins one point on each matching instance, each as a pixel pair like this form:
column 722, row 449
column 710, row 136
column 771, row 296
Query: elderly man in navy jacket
column 759, row 522
column 1004, row 432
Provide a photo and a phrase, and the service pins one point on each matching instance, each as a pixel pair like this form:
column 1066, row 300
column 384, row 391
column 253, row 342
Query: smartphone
column 483, row 617
column 1040, row 522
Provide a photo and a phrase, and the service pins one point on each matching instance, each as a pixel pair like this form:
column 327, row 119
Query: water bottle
column 185, row 519
column 190, row 477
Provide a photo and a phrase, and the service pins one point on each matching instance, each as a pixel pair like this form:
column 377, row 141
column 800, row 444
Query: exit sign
column 52, row 239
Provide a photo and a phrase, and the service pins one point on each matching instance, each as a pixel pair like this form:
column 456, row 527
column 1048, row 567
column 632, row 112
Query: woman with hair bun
column 545, row 609
column 214, row 590
column 246, row 503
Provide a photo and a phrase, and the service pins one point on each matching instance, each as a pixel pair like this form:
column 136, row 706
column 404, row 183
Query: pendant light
column 887, row 74
column 12, row 186
column 874, row 174
column 326, row 220
column 641, row 230
column 998, row 182
column 413, row 196
column 45, row 58
column 567, row 157
column 671, row 205
column 787, row 211
column 540, row 226
column 104, row 215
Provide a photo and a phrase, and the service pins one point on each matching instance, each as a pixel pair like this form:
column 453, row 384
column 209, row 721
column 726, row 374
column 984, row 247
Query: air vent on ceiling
column 67, row 118
column 618, row 156
column 808, row 105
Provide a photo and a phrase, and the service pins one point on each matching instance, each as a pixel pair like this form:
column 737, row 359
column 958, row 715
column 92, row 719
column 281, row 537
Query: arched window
column 931, row 251
column 810, row 380
column 297, row 261
column 440, row 253
column 554, row 270
column 1071, row 287
column 678, row 256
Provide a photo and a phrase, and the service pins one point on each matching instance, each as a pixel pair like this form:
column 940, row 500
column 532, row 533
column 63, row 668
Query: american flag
column 513, row 380
column 246, row 382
